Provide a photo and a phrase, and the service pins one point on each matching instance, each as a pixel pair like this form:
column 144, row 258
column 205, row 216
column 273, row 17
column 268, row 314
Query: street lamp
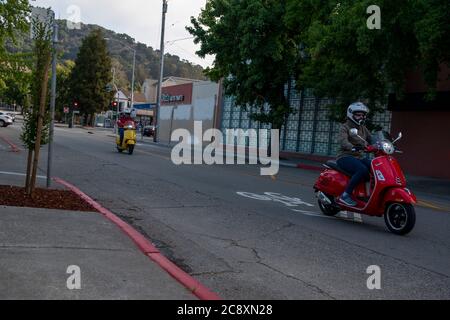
column 134, row 67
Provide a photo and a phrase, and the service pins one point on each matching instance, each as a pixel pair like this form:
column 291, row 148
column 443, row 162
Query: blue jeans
column 359, row 168
column 121, row 134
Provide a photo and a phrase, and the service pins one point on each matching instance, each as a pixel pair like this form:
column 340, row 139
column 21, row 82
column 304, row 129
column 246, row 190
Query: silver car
column 5, row 120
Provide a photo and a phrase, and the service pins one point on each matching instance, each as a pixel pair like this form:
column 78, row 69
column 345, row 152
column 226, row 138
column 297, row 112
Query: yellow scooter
column 129, row 138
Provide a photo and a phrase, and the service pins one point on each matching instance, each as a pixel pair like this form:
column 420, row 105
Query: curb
column 301, row 166
column 14, row 148
column 148, row 248
column 309, row 167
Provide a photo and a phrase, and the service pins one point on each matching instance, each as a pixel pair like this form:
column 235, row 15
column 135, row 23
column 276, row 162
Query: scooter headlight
column 130, row 127
column 388, row 147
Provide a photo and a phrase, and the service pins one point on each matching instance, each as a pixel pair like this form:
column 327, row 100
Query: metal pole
column 161, row 75
column 52, row 105
column 132, row 81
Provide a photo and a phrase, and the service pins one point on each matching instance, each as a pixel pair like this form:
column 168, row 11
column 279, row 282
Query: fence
column 308, row 129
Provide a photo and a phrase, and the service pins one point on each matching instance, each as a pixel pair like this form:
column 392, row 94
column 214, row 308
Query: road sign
column 66, row 110
column 76, row 112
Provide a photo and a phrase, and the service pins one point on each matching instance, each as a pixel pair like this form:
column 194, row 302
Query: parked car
column 12, row 115
column 5, row 120
column 149, row 131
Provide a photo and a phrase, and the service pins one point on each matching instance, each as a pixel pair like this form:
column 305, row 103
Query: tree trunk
column 41, row 115
column 28, row 176
column 92, row 120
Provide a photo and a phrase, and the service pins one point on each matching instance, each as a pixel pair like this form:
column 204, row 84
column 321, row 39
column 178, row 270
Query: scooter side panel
column 130, row 137
column 399, row 195
column 332, row 182
column 385, row 173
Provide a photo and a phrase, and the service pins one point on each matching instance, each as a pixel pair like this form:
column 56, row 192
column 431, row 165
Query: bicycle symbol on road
column 292, row 203
column 276, row 197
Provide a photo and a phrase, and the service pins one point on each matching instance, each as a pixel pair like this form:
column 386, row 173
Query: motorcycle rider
column 125, row 117
column 351, row 157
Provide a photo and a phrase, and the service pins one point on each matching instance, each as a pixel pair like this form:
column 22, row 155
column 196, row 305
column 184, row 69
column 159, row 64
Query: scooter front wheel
column 400, row 218
column 130, row 149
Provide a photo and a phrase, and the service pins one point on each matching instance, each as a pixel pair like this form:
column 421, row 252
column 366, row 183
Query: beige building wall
column 203, row 108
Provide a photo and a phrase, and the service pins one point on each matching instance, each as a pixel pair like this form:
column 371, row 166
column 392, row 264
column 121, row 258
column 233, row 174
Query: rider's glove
column 371, row 149
column 357, row 149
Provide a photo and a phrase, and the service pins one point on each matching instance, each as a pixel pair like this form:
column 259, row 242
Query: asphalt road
column 246, row 236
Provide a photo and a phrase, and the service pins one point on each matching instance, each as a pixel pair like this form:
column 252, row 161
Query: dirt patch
column 43, row 198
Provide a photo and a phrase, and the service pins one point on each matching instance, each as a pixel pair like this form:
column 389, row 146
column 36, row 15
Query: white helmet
column 357, row 107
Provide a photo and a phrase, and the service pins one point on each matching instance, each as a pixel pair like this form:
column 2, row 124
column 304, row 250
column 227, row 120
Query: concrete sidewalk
column 38, row 246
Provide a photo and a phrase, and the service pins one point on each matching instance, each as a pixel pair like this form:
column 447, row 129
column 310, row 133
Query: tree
column 13, row 20
column 63, row 96
column 35, row 132
column 91, row 75
column 344, row 59
column 18, row 80
column 254, row 53
column 432, row 31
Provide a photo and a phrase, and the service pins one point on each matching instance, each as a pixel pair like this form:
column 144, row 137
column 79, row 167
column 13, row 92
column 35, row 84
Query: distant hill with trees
column 147, row 59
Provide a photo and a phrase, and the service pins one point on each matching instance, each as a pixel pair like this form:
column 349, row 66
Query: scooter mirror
column 354, row 132
column 400, row 135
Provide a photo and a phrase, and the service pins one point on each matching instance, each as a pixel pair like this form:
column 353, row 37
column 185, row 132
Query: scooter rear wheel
column 400, row 218
column 328, row 210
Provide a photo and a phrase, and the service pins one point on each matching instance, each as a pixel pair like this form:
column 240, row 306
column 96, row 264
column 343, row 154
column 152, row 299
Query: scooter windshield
column 381, row 136
column 130, row 125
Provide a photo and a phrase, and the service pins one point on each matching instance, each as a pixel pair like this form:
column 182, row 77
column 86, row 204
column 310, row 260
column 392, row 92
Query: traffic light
column 75, row 104
column 114, row 104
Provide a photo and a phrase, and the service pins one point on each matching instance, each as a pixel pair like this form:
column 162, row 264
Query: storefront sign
column 177, row 95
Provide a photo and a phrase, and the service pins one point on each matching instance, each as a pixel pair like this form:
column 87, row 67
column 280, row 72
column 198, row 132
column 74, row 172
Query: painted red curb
column 12, row 145
column 199, row 290
column 309, row 167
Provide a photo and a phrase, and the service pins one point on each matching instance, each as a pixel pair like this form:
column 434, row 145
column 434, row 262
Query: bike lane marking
column 291, row 202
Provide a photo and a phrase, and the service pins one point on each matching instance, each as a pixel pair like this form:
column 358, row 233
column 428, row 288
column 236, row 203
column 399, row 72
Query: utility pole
column 132, row 81
column 161, row 75
column 52, row 105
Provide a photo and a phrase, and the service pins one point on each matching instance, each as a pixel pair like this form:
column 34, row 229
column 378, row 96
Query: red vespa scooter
column 386, row 193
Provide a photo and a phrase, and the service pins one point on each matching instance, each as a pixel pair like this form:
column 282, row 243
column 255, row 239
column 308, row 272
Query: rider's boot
column 347, row 200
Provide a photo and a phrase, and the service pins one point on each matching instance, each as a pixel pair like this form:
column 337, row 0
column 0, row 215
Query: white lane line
column 357, row 218
column 19, row 174
column 350, row 216
column 311, row 214
column 343, row 215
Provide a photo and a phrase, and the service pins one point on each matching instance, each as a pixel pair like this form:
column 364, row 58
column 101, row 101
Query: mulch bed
column 43, row 198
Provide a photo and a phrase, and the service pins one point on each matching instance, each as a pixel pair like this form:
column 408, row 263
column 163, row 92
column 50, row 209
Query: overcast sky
column 140, row 19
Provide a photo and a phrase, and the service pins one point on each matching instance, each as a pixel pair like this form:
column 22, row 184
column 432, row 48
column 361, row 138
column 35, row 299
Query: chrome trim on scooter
column 323, row 198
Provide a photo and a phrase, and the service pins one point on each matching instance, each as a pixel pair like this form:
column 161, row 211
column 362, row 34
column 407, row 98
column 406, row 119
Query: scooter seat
column 333, row 165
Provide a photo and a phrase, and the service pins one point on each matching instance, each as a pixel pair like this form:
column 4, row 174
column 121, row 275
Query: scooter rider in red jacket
column 124, row 118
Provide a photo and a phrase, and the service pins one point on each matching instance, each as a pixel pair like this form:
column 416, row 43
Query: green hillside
column 147, row 59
